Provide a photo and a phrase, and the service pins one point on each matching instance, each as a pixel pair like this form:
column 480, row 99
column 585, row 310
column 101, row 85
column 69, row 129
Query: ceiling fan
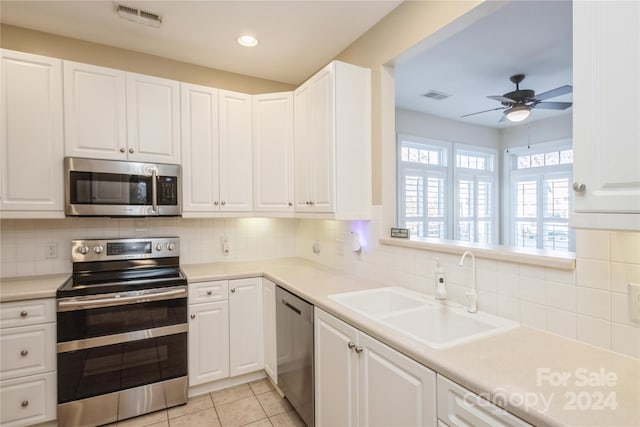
column 519, row 103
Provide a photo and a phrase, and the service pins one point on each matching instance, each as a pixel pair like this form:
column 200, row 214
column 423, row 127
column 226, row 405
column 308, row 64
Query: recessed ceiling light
column 247, row 40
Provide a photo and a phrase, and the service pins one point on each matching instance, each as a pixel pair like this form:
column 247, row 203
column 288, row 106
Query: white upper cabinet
column 31, row 146
column 606, row 115
column 333, row 143
column 95, row 115
column 200, row 146
column 153, row 119
column 236, row 178
column 273, row 152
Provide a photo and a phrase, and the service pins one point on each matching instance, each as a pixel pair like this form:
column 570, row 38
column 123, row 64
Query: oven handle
column 112, row 300
column 86, row 343
column 154, row 190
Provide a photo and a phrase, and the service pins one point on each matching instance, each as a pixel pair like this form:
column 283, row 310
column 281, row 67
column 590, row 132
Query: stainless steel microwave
column 95, row 187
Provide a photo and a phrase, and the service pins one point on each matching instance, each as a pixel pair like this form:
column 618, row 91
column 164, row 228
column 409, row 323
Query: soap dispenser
column 440, row 281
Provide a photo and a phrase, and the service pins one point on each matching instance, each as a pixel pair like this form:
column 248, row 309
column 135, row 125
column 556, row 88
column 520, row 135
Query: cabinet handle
column 24, row 403
column 24, row 352
column 24, row 313
column 131, row 150
column 122, row 150
column 351, row 345
column 233, row 290
column 209, row 292
column 359, row 349
column 579, row 188
column 193, row 316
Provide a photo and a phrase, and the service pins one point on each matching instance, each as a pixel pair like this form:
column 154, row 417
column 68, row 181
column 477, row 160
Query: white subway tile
column 622, row 275
column 507, row 267
column 593, row 302
column 561, row 322
column 532, row 272
column 620, row 309
column 487, row 302
column 592, row 244
column 568, row 277
column 533, row 315
column 486, row 280
column 508, row 284
column 625, row 247
column 593, row 274
column 625, row 340
column 532, row 290
column 594, row 331
column 508, row 307
column 561, row 296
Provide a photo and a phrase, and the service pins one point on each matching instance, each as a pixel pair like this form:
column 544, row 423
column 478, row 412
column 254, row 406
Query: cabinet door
column 336, row 372
column 236, row 161
column 28, row 401
column 273, row 152
column 303, row 158
column 153, row 119
column 31, row 146
column 208, row 342
column 200, row 145
column 407, row 389
column 95, row 123
column 606, row 128
column 245, row 325
column 27, row 350
column 270, row 349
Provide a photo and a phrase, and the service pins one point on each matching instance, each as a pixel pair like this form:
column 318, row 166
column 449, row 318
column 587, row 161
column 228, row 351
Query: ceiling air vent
column 138, row 15
column 438, row 96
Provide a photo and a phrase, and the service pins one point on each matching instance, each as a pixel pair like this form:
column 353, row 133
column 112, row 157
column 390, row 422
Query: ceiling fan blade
column 503, row 118
column 501, row 98
column 554, row 92
column 553, row 105
column 485, row 111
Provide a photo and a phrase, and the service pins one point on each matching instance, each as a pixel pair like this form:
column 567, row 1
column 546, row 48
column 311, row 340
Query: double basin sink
column 421, row 317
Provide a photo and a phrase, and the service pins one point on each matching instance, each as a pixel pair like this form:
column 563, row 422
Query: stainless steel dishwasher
column 294, row 325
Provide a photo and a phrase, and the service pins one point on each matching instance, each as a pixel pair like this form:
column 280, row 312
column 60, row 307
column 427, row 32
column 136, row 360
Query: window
column 540, row 198
column 446, row 190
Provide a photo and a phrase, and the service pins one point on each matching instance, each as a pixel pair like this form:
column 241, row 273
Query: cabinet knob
column 122, row 150
column 233, row 290
column 131, row 150
column 223, row 203
column 24, row 403
column 290, row 204
column 24, row 352
column 359, row 349
column 209, row 292
column 312, row 203
column 351, row 345
column 193, row 316
column 579, row 188
column 215, row 203
column 24, row 313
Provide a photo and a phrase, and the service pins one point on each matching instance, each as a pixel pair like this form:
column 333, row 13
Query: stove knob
column 83, row 250
column 98, row 249
column 158, row 247
column 171, row 246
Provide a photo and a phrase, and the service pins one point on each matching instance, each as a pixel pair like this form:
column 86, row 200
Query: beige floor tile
column 161, row 424
column 231, row 394
column 194, row 404
column 261, row 386
column 273, row 404
column 145, row 420
column 240, row 412
column 288, row 419
column 205, row 418
column 261, row 423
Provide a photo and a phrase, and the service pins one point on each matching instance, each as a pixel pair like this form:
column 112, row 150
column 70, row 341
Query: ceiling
column 519, row 37
column 296, row 38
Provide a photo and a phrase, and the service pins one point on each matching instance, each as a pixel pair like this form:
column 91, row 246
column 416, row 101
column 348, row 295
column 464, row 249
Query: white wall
column 588, row 304
column 553, row 129
column 23, row 242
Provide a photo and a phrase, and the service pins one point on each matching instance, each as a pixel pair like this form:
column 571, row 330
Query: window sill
column 537, row 257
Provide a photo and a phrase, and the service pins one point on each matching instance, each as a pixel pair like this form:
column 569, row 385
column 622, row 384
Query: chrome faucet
column 472, row 297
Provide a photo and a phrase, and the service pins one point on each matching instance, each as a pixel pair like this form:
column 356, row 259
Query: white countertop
column 506, row 368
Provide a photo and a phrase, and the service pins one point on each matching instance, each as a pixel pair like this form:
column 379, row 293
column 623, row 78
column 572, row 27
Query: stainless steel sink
column 423, row 318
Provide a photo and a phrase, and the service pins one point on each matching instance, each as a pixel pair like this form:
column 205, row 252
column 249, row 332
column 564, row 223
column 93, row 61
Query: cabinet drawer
column 457, row 406
column 208, row 291
column 27, row 350
column 27, row 401
column 31, row 312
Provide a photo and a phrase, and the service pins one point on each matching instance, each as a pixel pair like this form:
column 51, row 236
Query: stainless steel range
column 122, row 331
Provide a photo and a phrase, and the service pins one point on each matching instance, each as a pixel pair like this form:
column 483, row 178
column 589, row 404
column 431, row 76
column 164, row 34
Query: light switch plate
column 634, row 301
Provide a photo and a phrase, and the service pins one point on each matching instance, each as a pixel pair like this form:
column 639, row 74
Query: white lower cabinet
column 27, row 362
column 269, row 316
column 457, row 406
column 360, row 381
column 225, row 329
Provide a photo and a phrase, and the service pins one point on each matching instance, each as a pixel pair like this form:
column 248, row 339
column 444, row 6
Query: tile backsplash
column 589, row 304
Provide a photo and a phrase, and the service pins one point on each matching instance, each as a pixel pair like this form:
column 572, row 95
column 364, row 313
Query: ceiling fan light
column 518, row 114
column 247, row 40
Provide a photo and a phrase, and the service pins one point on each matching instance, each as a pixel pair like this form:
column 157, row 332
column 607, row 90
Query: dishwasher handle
column 292, row 307
column 288, row 304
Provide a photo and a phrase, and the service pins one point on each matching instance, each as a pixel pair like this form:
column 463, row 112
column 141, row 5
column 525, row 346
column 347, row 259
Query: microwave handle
column 154, row 190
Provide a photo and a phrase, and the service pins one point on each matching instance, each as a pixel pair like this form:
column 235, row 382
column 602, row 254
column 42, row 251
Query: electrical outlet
column 634, row 301
column 225, row 246
column 51, row 250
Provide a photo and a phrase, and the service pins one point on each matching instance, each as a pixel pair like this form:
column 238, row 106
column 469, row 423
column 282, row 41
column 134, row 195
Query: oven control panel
column 119, row 249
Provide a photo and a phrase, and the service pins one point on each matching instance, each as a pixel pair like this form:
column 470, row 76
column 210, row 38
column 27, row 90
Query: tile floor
column 256, row 404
